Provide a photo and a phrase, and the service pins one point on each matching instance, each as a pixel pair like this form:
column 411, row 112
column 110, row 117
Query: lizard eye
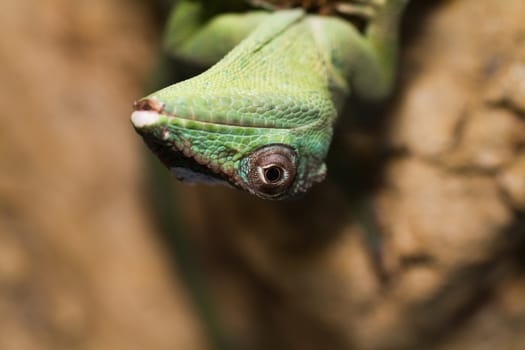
column 273, row 173
column 272, row 170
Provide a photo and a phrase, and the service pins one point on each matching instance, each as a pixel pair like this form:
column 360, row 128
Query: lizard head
column 267, row 144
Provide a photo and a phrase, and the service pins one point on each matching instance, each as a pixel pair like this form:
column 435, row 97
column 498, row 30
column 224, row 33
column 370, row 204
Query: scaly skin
column 262, row 118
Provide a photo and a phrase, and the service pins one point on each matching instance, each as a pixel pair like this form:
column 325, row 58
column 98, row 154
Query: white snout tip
column 141, row 119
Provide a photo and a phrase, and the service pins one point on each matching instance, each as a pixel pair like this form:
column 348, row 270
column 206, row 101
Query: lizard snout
column 147, row 112
column 148, row 104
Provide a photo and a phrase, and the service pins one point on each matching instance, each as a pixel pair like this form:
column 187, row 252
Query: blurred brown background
column 101, row 249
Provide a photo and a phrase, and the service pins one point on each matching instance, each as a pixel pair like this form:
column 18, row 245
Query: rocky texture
column 79, row 265
column 415, row 242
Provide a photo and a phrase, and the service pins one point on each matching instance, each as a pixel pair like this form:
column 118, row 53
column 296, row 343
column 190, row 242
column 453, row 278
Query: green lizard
column 261, row 118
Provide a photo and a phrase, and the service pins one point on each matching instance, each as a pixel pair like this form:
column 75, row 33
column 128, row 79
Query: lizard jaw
column 182, row 162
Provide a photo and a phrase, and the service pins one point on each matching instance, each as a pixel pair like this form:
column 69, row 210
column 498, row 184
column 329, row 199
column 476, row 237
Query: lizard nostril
column 148, row 104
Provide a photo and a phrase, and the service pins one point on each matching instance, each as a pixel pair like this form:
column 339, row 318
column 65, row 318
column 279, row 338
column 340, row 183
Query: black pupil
column 273, row 174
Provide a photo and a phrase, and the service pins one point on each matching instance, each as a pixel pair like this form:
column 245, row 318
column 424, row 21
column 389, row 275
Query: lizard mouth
column 151, row 111
column 185, row 165
column 185, row 168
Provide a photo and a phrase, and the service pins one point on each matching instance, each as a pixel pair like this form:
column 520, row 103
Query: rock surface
column 443, row 268
column 418, row 246
column 79, row 266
